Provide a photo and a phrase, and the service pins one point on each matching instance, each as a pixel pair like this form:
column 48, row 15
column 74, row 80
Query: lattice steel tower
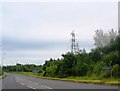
column 74, row 44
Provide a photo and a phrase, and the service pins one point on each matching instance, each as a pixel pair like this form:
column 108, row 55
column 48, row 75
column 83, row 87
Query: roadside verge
column 109, row 81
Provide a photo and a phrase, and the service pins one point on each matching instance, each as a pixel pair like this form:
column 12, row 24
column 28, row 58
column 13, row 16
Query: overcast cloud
column 34, row 32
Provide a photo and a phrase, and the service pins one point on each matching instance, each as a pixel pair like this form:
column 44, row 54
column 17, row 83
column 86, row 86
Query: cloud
column 11, row 44
column 59, row 1
column 57, row 20
column 36, row 52
column 38, row 31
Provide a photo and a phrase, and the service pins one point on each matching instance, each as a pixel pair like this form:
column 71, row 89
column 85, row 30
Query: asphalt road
column 0, row 84
column 15, row 81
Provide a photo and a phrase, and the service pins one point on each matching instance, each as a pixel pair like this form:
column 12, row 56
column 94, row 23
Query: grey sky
column 34, row 32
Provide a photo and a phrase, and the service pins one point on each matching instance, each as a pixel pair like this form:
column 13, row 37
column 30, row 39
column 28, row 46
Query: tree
column 69, row 61
column 103, row 39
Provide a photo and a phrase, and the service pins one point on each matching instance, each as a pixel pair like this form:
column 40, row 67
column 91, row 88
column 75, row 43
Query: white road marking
column 21, row 83
column 31, row 87
column 30, row 84
column 46, row 87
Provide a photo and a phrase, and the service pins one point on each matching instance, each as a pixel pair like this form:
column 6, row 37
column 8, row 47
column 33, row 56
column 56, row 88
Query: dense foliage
column 80, row 64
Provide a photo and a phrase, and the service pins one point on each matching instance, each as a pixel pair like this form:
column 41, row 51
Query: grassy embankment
column 94, row 80
column 2, row 76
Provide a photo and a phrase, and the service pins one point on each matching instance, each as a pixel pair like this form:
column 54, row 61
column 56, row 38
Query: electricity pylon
column 74, row 44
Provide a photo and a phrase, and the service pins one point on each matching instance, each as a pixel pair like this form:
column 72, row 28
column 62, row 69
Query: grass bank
column 2, row 76
column 108, row 81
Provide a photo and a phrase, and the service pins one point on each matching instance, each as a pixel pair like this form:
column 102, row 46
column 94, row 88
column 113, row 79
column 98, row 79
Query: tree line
column 78, row 64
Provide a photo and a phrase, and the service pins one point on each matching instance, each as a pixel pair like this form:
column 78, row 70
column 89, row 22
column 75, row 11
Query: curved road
column 16, row 81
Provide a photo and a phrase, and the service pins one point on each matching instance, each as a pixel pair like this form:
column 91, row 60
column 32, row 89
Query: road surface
column 0, row 84
column 16, row 81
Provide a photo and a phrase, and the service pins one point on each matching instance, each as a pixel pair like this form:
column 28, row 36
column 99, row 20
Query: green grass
column 2, row 76
column 85, row 79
